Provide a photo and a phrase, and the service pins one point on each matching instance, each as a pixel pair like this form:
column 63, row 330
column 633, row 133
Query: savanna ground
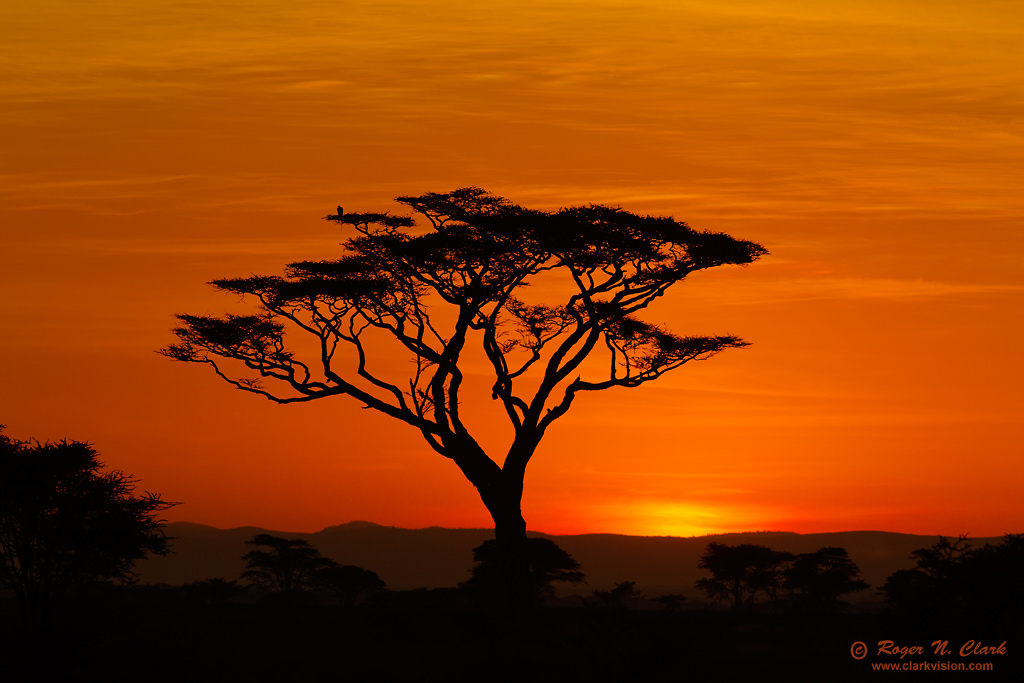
column 164, row 634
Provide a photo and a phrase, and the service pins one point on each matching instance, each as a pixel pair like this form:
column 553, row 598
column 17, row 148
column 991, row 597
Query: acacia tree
column 457, row 281
column 289, row 566
column 820, row 579
column 348, row 583
column 739, row 573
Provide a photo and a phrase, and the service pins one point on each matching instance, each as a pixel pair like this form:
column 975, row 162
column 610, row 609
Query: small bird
column 340, row 211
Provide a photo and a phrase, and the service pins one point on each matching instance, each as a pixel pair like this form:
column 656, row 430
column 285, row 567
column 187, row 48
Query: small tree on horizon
column 739, row 573
column 461, row 280
column 287, row 566
column 620, row 597
column 348, row 583
column 819, row 579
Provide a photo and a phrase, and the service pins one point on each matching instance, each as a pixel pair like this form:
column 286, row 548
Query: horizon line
column 369, row 524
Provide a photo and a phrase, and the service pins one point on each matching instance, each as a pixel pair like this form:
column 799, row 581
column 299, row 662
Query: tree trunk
column 504, row 502
column 510, row 535
column 502, row 493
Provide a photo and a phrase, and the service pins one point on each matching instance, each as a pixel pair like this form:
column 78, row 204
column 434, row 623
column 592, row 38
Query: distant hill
column 436, row 557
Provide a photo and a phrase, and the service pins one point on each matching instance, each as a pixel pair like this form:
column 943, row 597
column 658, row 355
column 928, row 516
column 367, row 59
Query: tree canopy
column 739, row 573
column 282, row 565
column 821, row 578
column 348, row 583
column 956, row 580
column 290, row 567
column 65, row 522
column 815, row 580
column 549, row 564
column 480, row 251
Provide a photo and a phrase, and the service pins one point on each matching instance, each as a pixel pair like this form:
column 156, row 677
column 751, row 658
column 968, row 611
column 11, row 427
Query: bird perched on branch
column 340, row 211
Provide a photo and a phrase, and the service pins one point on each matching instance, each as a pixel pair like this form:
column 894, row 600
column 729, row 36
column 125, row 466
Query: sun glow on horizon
column 645, row 517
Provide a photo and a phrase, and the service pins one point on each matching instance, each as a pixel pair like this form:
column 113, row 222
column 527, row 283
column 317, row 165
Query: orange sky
column 876, row 148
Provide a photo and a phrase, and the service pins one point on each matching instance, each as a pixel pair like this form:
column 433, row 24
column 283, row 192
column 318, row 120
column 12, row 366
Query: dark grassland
column 165, row 634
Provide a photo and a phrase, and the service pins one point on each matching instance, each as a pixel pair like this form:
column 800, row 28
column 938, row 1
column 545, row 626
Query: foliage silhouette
column 65, row 523
column 739, row 573
column 618, row 598
column 433, row 292
column 820, row 578
column 954, row 580
column 211, row 591
column 671, row 601
column 288, row 567
column 348, row 583
column 548, row 564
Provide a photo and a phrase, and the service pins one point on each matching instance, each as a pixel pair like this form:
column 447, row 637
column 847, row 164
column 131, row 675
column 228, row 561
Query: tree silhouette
column 671, row 601
column 944, row 560
column 618, row 598
column 434, row 292
column 287, row 567
column 348, row 583
column 820, row 578
column 213, row 591
column 65, row 523
column 739, row 573
column 936, row 582
column 954, row 580
column 548, row 564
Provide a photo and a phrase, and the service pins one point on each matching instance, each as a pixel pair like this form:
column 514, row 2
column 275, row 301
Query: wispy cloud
column 755, row 290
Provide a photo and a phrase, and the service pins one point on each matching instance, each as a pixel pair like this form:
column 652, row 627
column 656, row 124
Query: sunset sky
column 876, row 148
